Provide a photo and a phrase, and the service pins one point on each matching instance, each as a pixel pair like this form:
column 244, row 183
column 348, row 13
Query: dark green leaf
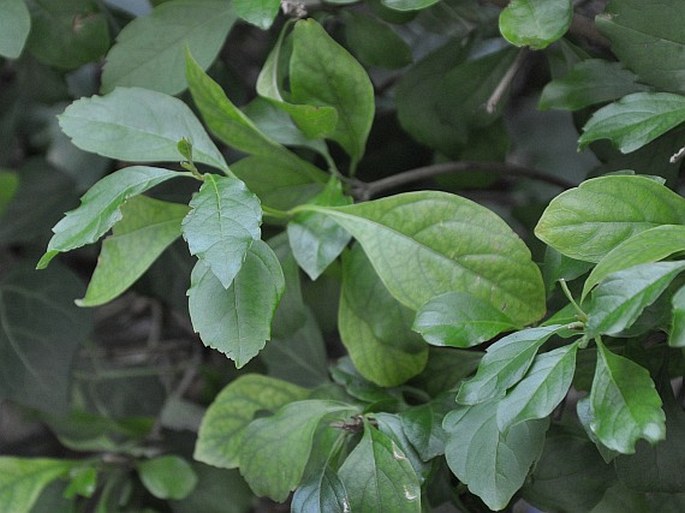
column 258, row 12
column 535, row 23
column 23, row 479
column 378, row 477
column 15, row 23
column 9, row 182
column 620, row 299
column 375, row 328
column 422, row 425
column 504, row 364
column 223, row 427
column 217, row 491
column 635, row 120
column 408, row 5
column 676, row 338
column 147, row 228
column 374, row 43
column 390, row 424
column 167, row 477
column 139, row 125
column 100, row 208
column 625, row 404
column 324, row 493
column 460, row 320
column 445, row 369
column 237, row 320
column 590, row 220
column 149, row 50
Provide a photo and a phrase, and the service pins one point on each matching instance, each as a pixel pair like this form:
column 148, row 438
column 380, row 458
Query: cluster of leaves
column 472, row 377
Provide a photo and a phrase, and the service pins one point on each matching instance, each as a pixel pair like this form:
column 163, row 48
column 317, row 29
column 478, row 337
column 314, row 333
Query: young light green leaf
column 138, row 125
column 223, row 222
column 590, row 220
column 427, row 243
column 620, row 299
column 23, row 479
column 375, row 328
column 378, row 476
column 544, row 387
column 149, row 50
column 323, row 73
column 642, row 248
column 535, row 23
column 147, row 228
column 459, row 319
column 504, row 364
column 275, row 449
column 100, row 208
column 223, row 426
column 260, row 13
column 492, row 464
column 625, row 404
column 590, row 82
column 408, row 5
column 83, row 481
column 635, row 120
column 374, row 43
column 237, row 320
column 167, row 477
column 676, row 338
column 15, row 23
column 316, row 239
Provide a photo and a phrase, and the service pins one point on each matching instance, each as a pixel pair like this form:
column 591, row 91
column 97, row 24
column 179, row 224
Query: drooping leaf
column 149, row 50
column 223, row 426
column 619, row 300
column 625, row 404
column 374, row 43
column 378, row 476
column 460, row 320
column 237, row 320
column 138, row 125
column 323, row 73
column 647, row 38
column 676, row 338
column 147, row 228
column 375, row 328
column 644, row 247
column 541, row 390
column 167, row 477
column 100, row 208
column 635, row 120
column 275, row 449
column 260, row 13
column 15, row 23
column 223, row 223
column 535, row 23
column 427, row 243
column 408, row 5
column 504, row 364
column 23, row 479
column 589, row 82
column 492, row 464
column 592, row 219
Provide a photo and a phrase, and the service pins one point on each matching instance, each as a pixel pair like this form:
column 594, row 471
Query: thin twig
column 366, row 190
column 503, row 86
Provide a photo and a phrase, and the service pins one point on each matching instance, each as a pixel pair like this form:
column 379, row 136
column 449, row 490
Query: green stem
column 582, row 316
column 274, row 212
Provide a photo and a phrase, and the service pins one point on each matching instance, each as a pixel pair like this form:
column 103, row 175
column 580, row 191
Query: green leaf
column 324, row 493
column 427, row 243
column 676, row 337
column 15, row 23
column 222, row 430
column 149, row 50
column 83, row 481
column 422, row 426
column 374, row 43
column 588, row 221
column 237, row 320
column 446, row 368
column 9, row 183
column 67, row 34
column 635, row 120
column 458, row 319
column 620, row 299
column 167, row 477
column 492, row 464
column 543, row 388
column 625, row 404
column 275, row 449
column 535, row 23
column 316, row 240
column 323, row 73
column 23, row 479
column 217, row 491
column 643, row 34
column 147, row 228
column 589, row 82
column 505, row 363
column 100, row 208
column 408, row 5
column 378, row 476
column 642, row 248
column 260, row 13
column 223, row 223
column 134, row 124
column 375, row 328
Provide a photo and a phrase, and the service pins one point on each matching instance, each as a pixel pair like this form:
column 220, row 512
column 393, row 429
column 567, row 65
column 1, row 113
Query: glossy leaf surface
column 535, row 23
